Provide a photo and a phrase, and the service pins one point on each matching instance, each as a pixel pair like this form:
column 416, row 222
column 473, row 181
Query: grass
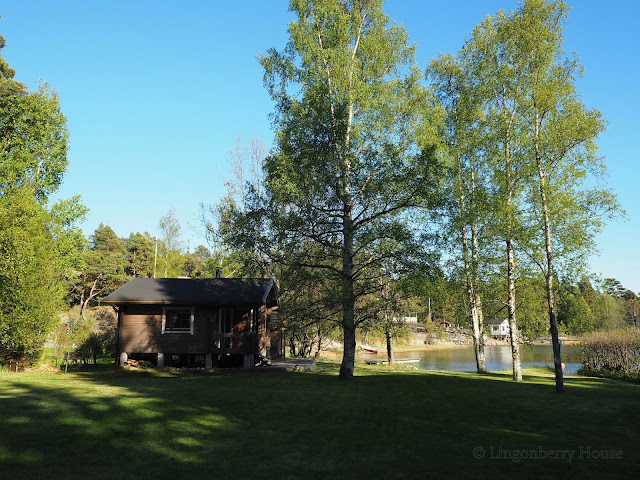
column 625, row 376
column 388, row 423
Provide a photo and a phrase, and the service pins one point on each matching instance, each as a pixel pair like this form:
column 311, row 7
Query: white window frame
column 164, row 320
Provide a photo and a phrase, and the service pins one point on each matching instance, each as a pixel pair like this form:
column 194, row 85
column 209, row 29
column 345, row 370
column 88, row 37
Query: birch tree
column 539, row 143
column 495, row 80
column 461, row 134
column 232, row 225
column 169, row 227
column 350, row 157
column 562, row 149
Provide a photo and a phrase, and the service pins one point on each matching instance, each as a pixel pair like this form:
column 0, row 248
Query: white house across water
column 498, row 328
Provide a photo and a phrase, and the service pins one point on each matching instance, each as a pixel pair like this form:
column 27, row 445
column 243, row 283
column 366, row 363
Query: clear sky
column 156, row 93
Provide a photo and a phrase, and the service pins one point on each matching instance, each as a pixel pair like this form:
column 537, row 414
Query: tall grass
column 613, row 353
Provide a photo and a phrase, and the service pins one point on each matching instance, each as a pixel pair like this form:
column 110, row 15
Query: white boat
column 369, row 349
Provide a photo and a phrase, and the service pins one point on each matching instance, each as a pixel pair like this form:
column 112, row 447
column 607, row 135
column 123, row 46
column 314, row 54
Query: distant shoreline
column 337, row 353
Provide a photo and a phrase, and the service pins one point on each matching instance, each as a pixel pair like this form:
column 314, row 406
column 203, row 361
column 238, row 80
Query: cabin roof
column 183, row 291
column 497, row 322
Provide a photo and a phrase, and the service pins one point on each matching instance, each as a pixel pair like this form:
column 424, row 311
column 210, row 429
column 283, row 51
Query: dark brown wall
column 141, row 331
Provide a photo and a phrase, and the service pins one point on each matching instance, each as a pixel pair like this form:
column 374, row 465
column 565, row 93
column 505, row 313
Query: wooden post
column 118, row 330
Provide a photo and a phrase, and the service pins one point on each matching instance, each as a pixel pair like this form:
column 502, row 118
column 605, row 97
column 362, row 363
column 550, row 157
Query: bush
column 612, row 351
column 95, row 345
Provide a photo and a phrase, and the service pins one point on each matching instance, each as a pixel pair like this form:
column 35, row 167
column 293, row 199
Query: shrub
column 614, row 351
column 96, row 344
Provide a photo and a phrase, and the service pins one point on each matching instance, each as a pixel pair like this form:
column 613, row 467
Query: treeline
column 108, row 261
column 587, row 305
column 440, row 300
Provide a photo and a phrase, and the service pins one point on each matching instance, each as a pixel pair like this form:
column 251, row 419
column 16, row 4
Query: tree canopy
column 353, row 148
column 39, row 243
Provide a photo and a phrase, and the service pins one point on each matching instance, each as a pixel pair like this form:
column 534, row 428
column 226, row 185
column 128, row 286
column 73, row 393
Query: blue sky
column 156, row 93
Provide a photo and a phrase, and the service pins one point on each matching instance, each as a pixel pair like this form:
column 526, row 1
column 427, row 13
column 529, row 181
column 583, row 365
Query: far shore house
column 410, row 318
column 198, row 322
column 498, row 328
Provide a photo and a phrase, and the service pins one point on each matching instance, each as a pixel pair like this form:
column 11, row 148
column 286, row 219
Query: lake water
column 463, row 359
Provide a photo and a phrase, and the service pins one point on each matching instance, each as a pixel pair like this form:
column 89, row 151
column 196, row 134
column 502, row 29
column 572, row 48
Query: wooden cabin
column 198, row 322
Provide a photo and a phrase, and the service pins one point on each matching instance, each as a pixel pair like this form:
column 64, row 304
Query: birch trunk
column 511, row 306
column 511, row 266
column 481, row 362
column 551, row 301
column 471, row 277
column 478, row 341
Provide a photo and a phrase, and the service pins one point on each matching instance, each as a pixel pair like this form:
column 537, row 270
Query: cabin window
column 495, row 328
column 177, row 320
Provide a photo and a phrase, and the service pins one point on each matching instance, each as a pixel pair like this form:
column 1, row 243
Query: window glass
column 178, row 320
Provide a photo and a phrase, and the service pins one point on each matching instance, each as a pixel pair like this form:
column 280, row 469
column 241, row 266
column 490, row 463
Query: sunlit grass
column 390, row 423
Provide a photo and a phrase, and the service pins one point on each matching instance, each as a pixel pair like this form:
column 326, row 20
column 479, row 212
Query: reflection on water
column 498, row 358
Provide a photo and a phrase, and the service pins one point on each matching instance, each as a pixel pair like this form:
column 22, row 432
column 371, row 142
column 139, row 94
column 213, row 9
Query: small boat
column 369, row 349
column 384, row 361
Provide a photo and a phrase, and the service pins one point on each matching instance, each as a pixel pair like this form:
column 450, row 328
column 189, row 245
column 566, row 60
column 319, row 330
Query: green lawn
column 386, row 423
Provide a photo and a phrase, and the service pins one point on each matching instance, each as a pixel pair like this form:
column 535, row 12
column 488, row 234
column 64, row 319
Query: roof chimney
column 218, row 272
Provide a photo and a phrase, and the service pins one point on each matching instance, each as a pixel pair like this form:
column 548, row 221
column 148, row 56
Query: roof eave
column 180, row 302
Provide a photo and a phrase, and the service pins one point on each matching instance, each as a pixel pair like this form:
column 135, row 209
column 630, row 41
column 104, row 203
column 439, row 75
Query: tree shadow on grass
column 304, row 425
column 129, row 426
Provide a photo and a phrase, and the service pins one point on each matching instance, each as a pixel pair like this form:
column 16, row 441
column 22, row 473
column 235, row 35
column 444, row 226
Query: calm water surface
column 498, row 358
